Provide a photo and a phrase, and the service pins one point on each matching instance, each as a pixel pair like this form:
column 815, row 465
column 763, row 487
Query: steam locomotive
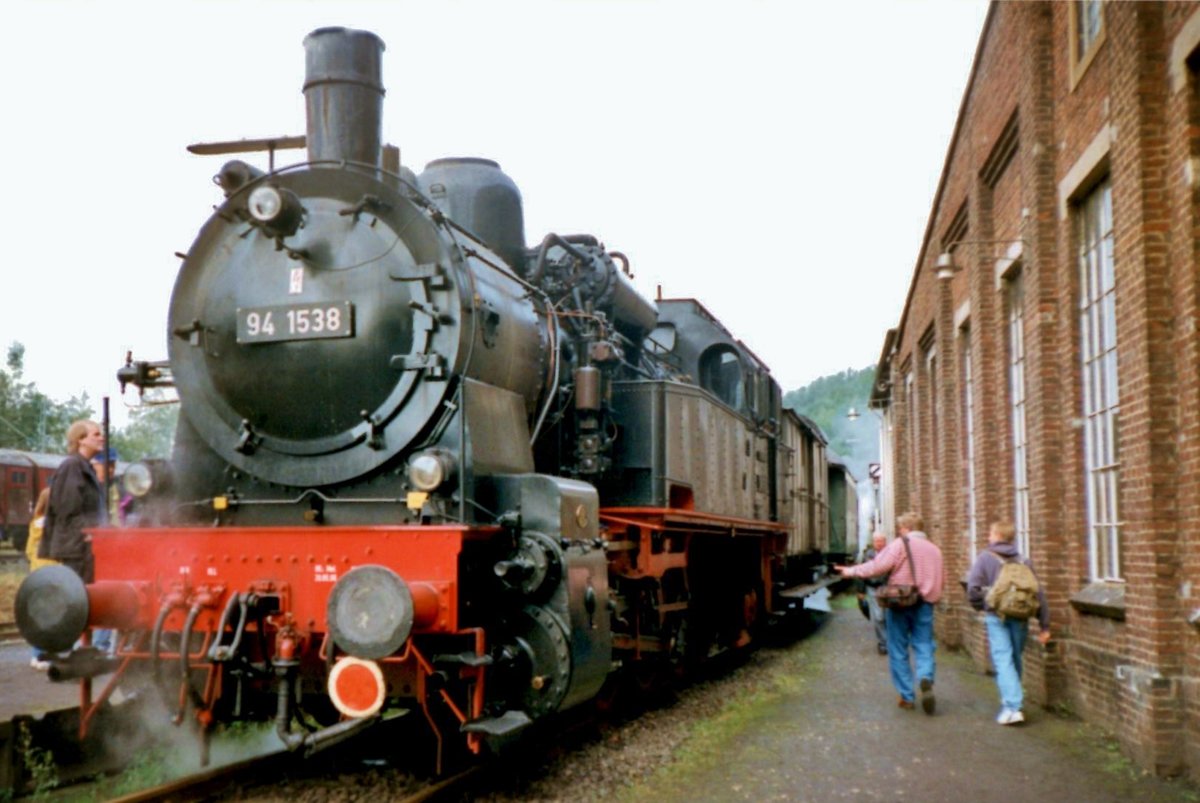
column 422, row 467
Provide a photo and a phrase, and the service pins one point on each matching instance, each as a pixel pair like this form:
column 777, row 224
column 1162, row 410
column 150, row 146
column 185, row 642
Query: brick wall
column 1182, row 126
column 1035, row 133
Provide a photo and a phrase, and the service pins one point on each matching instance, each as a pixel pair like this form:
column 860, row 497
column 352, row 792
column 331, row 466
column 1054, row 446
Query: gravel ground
column 815, row 719
column 585, row 759
column 616, row 757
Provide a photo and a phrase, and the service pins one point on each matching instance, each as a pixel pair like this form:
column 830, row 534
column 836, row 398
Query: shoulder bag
column 900, row 596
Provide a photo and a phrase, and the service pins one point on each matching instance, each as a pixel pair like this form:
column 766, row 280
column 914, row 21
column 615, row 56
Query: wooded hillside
column 828, row 400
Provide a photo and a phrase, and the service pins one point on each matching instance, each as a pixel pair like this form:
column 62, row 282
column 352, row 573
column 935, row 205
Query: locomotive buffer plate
column 295, row 322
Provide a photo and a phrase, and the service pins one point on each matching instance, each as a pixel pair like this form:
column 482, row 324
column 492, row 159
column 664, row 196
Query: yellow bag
column 36, row 528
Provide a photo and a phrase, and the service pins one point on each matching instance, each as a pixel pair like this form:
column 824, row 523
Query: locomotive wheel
column 540, row 636
column 649, row 675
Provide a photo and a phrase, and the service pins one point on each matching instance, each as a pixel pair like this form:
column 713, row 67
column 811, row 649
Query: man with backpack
column 1004, row 586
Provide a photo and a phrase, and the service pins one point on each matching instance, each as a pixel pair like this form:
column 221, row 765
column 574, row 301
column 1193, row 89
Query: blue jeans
column 877, row 618
column 1006, row 642
column 102, row 639
column 910, row 626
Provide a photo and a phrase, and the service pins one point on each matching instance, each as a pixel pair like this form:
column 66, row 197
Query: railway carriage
column 23, row 475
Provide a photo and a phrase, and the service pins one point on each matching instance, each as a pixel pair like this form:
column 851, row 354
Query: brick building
column 1046, row 365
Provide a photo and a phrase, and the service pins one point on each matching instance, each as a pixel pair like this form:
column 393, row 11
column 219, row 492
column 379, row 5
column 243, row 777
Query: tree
column 30, row 420
column 828, row 400
column 150, row 432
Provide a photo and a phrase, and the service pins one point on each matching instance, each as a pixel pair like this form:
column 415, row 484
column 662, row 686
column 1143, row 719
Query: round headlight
column 265, row 203
column 138, row 479
column 426, row 472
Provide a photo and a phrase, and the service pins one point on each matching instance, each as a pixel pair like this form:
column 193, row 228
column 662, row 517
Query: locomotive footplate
column 807, row 589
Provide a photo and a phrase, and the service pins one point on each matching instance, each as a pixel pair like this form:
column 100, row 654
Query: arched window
column 721, row 375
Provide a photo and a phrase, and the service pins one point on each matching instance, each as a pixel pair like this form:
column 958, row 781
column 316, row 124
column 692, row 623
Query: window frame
column 914, row 440
column 969, row 473
column 1014, row 289
column 1084, row 53
column 1099, row 381
column 931, row 384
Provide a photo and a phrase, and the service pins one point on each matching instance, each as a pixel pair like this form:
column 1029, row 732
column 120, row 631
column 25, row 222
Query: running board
column 507, row 723
column 808, row 589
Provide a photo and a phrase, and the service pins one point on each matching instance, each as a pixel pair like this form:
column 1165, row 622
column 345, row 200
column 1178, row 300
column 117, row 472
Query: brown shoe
column 928, row 701
column 907, row 705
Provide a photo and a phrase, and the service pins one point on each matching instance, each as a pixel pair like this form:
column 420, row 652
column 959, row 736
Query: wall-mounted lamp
column 852, row 414
column 945, row 266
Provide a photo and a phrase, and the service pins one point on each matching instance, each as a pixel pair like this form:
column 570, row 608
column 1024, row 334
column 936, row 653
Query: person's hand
column 861, row 596
column 1044, row 636
column 840, row 569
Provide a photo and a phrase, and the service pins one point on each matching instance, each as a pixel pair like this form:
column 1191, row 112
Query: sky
column 775, row 160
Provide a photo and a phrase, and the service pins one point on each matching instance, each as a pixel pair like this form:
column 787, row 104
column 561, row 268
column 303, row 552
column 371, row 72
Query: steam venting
column 343, row 95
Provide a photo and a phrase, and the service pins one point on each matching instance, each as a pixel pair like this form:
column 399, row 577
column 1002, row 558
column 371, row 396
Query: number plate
column 295, row 322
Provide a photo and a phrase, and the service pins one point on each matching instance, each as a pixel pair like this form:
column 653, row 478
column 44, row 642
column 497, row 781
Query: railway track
column 245, row 777
column 269, row 772
column 212, row 783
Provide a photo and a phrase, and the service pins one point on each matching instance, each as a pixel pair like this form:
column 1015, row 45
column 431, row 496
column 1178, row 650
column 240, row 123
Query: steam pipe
column 564, row 243
column 168, row 605
column 109, row 468
column 220, row 652
column 283, row 711
column 185, row 644
column 317, row 740
column 80, row 664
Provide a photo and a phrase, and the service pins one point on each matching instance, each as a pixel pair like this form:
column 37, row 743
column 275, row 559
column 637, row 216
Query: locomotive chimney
column 343, row 94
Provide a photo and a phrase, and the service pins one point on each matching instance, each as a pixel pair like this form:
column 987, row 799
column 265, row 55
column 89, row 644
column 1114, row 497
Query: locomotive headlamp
column 265, row 203
column 138, row 479
column 278, row 209
column 428, row 470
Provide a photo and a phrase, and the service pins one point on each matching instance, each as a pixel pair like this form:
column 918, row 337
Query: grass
column 745, row 711
column 11, row 576
column 38, row 762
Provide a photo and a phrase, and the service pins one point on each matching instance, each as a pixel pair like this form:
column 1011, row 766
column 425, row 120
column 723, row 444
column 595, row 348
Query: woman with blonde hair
column 76, row 502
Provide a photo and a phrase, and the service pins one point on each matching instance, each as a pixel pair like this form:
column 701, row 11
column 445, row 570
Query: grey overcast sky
column 776, row 160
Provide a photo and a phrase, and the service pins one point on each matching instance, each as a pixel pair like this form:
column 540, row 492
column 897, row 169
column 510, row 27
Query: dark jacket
column 983, row 576
column 75, row 505
column 872, row 582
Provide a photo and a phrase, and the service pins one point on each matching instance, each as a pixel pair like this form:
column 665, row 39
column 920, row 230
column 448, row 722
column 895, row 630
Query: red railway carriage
column 420, row 467
column 23, row 475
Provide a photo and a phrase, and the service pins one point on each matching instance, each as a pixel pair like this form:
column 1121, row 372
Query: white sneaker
column 39, row 664
column 1008, row 717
